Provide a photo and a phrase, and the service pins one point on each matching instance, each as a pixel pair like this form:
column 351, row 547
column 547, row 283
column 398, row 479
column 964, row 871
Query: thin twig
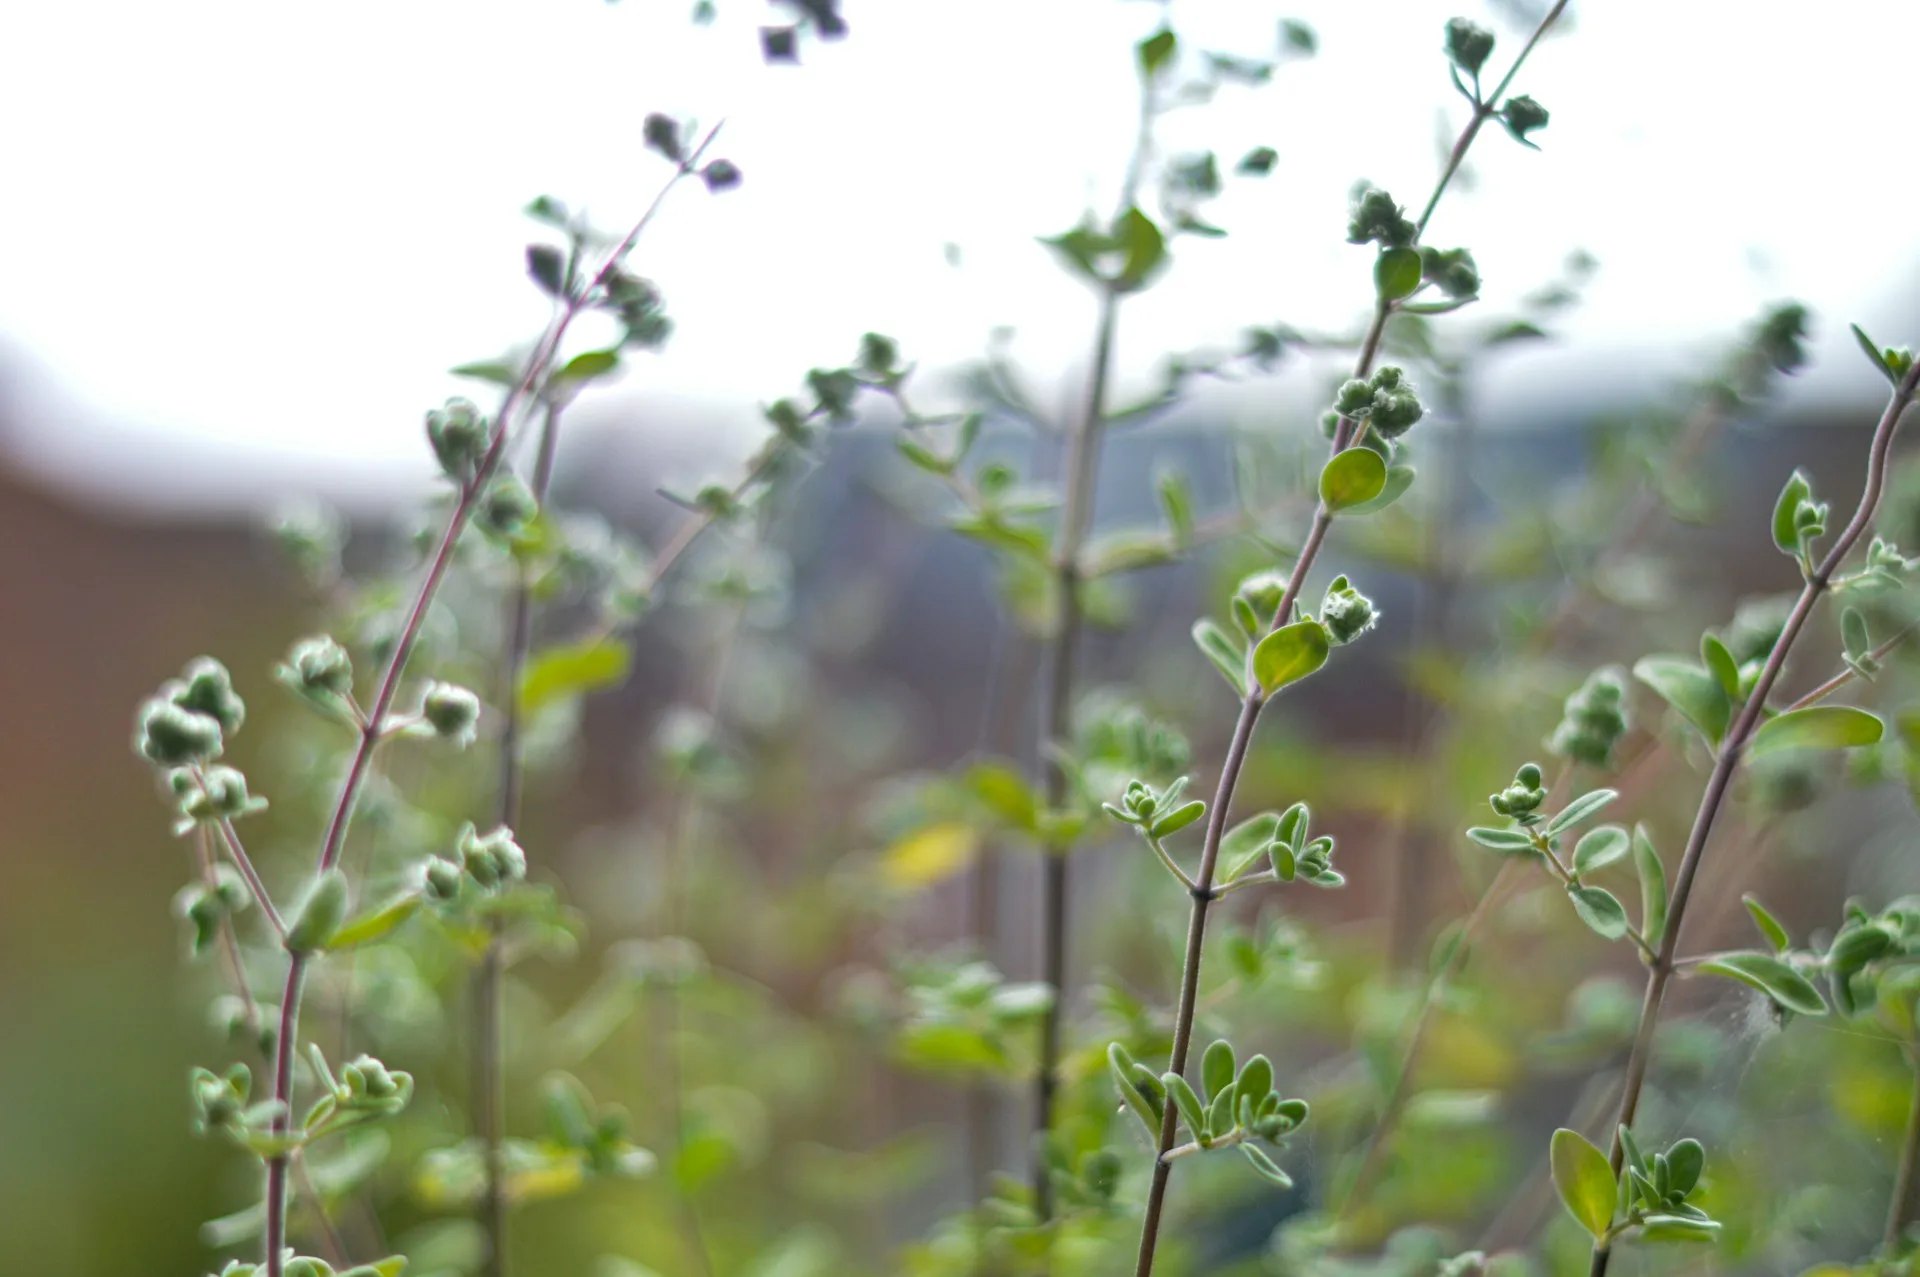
column 1727, row 761
column 1250, row 707
column 1083, row 463
column 1900, row 1201
column 286, row 1044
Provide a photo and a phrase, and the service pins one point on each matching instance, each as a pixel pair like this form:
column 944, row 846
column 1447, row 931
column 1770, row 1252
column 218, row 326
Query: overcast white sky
column 270, row 228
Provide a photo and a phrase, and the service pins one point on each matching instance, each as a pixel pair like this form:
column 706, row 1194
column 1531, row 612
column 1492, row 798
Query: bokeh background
column 246, row 241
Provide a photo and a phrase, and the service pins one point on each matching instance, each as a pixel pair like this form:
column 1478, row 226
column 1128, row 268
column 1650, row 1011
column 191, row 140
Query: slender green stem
column 1900, row 1202
column 1727, row 760
column 1482, row 113
column 1203, row 891
column 372, row 733
column 1082, row 466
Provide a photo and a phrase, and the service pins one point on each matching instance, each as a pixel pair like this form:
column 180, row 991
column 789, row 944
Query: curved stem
column 1203, row 893
column 1727, row 760
column 372, row 732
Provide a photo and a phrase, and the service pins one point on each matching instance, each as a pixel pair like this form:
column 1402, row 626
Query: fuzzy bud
column 453, row 712
column 1522, row 115
column 662, row 134
column 1262, row 592
column 1375, row 218
column 1451, row 270
column 492, row 859
column 441, row 879
column 720, row 175
column 1523, row 797
column 1345, row 612
column 170, row 736
column 319, row 666
column 460, row 437
column 218, row 793
column 205, row 687
column 507, row 508
column 1468, row 45
column 1594, row 721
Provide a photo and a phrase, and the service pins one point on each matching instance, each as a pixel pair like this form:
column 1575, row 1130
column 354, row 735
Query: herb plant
column 393, row 1038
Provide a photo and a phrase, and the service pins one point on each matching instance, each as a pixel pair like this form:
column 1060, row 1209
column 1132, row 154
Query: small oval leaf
column 1396, row 273
column 1353, row 477
column 1691, row 690
column 1584, row 1181
column 1772, row 977
column 1600, row 910
column 1816, row 727
column 1599, row 848
column 1289, row 654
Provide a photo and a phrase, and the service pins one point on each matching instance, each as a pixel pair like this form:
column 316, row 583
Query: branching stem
column 1727, row 760
column 286, row 1044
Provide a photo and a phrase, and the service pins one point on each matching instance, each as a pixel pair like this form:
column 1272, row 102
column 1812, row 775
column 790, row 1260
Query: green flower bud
column 720, row 175
column 1595, row 719
column 491, row 859
column 205, row 687
column 1375, row 218
column 1393, row 415
column 441, row 879
column 1330, row 423
column 1781, row 335
column 662, row 133
column 879, row 355
column 640, row 308
column 1522, row 115
column 461, row 438
column 834, row 390
column 215, row 794
column 204, row 911
column 368, row 1078
column 453, row 712
column 1355, row 397
column 1523, row 797
column 1262, row 592
column 218, row 1101
column 320, row 914
column 311, row 535
column 1452, row 271
column 318, row 666
column 1346, row 613
column 507, row 508
column 170, row 736
column 307, row 1266
column 789, row 419
column 1468, row 45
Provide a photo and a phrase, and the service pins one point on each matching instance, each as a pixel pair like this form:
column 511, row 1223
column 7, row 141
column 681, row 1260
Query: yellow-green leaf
column 371, row 926
column 1584, row 1181
column 1353, row 477
column 573, row 669
column 1289, row 654
column 929, row 855
column 1816, row 727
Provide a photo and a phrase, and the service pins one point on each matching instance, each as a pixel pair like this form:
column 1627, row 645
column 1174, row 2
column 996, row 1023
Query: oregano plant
column 723, row 1026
